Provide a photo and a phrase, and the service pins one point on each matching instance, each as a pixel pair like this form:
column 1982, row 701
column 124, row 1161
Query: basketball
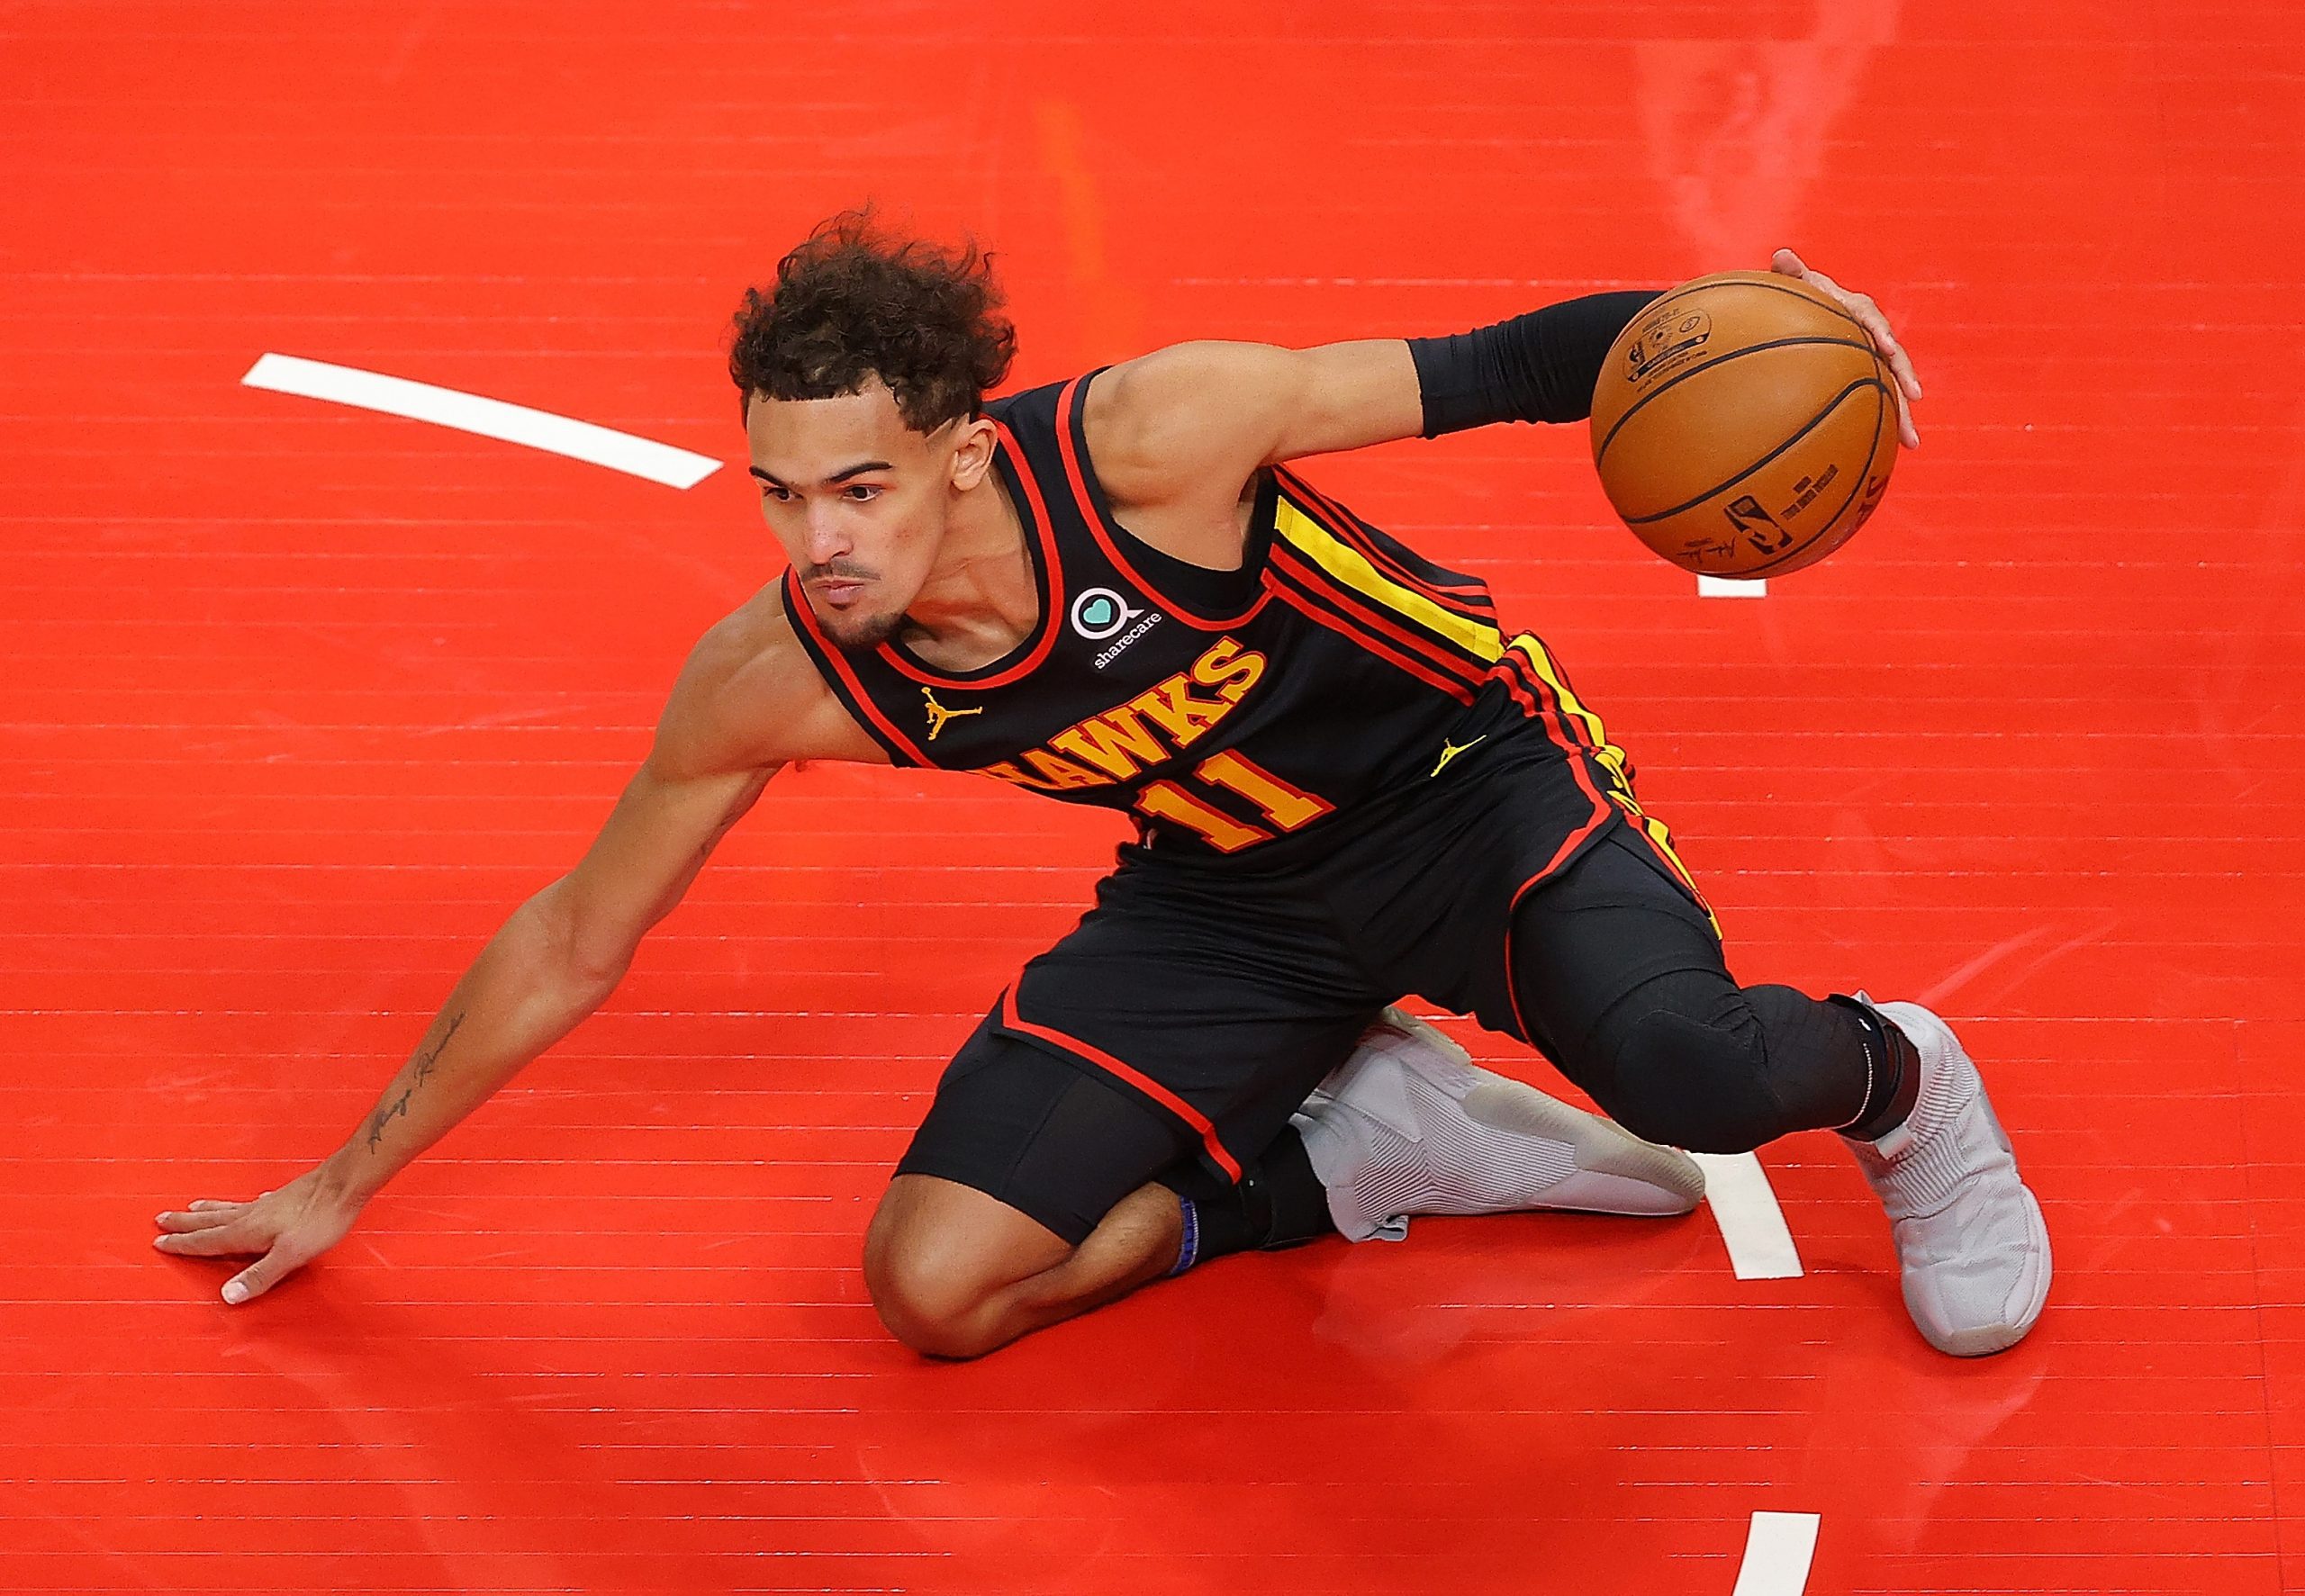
column 1744, row 426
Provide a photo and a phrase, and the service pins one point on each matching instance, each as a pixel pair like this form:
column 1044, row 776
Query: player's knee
column 924, row 1292
column 1690, row 1083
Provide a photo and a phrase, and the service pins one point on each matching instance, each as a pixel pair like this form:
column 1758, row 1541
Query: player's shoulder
column 1174, row 433
column 749, row 696
column 1034, row 416
column 1116, row 400
column 1173, row 421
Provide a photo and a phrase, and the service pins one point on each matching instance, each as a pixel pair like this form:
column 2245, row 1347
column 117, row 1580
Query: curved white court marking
column 1777, row 1549
column 1723, row 587
column 1743, row 1204
column 491, row 417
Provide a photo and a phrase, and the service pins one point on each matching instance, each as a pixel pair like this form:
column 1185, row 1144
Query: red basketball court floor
column 301, row 700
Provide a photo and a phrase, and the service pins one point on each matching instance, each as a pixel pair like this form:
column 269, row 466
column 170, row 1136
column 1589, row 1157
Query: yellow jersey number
column 1284, row 807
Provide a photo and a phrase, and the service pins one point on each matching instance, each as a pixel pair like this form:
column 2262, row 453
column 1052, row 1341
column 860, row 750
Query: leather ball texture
column 1744, row 426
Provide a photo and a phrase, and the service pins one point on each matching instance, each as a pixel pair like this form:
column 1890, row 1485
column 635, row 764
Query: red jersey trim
column 1070, row 403
column 1313, row 578
column 1671, row 860
column 859, row 701
column 1575, row 840
column 1143, row 1083
column 1468, row 598
column 1338, row 624
column 1521, row 680
column 1519, row 690
column 1051, row 595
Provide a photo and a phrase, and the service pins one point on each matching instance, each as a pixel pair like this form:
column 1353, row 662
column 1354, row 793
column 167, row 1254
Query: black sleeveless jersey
column 1222, row 709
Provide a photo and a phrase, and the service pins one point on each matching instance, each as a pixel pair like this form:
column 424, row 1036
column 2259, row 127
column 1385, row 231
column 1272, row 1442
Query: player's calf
column 1694, row 1061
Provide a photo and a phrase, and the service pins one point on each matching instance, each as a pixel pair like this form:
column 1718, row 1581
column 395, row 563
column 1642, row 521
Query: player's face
column 859, row 501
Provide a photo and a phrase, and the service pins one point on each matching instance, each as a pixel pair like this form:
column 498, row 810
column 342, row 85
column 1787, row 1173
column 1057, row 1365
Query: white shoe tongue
column 1379, row 1087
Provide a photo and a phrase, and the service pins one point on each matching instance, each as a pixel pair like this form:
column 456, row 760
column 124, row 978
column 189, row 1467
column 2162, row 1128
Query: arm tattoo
column 426, row 1059
column 383, row 1116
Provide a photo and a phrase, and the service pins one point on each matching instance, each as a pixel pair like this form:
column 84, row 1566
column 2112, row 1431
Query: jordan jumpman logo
column 938, row 714
column 1450, row 751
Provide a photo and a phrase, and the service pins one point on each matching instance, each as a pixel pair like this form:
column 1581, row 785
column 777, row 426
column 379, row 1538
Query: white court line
column 1723, row 587
column 1778, row 1550
column 491, row 417
column 1737, row 1190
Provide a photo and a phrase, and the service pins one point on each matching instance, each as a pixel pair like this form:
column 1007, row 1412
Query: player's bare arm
column 1178, row 432
column 745, row 704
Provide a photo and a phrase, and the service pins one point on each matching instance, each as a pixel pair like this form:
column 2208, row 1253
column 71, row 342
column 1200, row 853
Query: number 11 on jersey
column 1287, row 807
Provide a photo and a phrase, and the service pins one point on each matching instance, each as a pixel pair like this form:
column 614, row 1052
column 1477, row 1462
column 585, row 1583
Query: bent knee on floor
column 936, row 1271
column 924, row 1295
column 924, row 1301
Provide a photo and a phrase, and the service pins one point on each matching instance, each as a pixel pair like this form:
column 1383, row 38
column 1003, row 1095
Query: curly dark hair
column 855, row 302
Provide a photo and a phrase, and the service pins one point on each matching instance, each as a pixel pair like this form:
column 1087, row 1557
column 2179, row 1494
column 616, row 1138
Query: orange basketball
column 1744, row 425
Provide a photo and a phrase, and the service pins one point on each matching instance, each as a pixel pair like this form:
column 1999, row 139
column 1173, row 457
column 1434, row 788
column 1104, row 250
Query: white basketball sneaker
column 1410, row 1124
column 1971, row 1243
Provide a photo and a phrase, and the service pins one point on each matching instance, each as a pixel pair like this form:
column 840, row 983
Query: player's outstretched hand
column 1868, row 314
column 289, row 1226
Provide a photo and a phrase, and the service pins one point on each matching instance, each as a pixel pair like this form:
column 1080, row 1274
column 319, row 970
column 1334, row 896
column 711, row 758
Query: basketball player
column 1350, row 783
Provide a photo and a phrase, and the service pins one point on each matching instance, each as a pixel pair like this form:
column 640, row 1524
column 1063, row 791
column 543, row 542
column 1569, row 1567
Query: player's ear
column 972, row 451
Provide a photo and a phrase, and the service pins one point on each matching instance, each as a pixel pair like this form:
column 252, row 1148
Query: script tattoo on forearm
column 426, row 1058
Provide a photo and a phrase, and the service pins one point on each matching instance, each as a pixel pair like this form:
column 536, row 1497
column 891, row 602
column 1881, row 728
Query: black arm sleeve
column 1537, row 367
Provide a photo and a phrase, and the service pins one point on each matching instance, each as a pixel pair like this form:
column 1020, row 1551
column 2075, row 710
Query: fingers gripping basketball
column 1745, row 425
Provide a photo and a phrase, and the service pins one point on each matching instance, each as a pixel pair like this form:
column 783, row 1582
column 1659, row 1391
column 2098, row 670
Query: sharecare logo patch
column 1100, row 613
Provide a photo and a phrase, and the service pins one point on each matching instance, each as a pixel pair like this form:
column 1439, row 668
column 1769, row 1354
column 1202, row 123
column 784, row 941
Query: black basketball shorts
column 1170, row 1036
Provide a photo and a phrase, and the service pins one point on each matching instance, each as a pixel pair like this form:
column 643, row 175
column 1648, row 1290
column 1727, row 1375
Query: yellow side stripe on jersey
column 1350, row 567
column 1606, row 751
column 1613, row 757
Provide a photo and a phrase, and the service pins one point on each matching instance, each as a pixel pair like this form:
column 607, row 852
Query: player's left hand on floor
column 1868, row 315
column 289, row 1226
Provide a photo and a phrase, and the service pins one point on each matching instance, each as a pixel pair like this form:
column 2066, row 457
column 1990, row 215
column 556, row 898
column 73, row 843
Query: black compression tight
column 1620, row 982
